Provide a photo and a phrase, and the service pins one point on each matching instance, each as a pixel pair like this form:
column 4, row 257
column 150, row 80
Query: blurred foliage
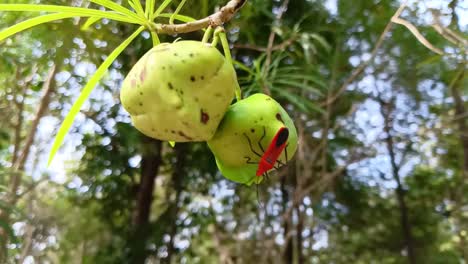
column 335, row 203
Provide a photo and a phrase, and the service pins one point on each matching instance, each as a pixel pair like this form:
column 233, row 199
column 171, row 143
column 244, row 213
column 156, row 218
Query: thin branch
column 48, row 88
column 360, row 69
column 271, row 40
column 225, row 14
column 417, row 34
column 280, row 46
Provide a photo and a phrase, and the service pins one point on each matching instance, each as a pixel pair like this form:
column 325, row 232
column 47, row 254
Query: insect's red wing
column 274, row 150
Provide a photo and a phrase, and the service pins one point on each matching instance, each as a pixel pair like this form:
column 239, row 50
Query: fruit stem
column 221, row 34
column 207, row 35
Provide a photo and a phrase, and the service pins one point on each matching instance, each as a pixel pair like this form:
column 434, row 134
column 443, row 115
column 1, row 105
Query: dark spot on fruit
column 181, row 92
column 143, row 75
column 278, row 116
column 196, row 99
column 217, row 94
column 204, row 117
column 141, row 104
column 152, row 129
column 185, row 123
column 170, row 86
column 191, row 54
column 183, row 61
column 141, row 93
column 184, row 136
column 268, row 99
column 163, row 67
column 192, row 78
column 261, row 118
column 255, row 121
column 235, row 134
column 172, row 131
column 175, row 54
column 202, row 77
column 170, row 67
column 252, row 130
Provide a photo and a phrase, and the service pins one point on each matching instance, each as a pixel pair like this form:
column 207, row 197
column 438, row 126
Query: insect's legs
column 258, row 196
column 266, row 175
column 250, row 145
column 248, row 160
column 286, row 156
column 260, row 141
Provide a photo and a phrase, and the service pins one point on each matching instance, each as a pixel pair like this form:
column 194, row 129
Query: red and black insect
column 270, row 157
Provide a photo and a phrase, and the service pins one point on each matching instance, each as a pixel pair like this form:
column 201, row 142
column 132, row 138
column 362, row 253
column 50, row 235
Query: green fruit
column 179, row 91
column 250, row 118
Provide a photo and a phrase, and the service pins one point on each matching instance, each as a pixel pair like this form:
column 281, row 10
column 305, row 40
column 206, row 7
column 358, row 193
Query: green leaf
column 77, row 11
column 118, row 8
column 302, row 103
column 31, row 23
column 321, row 41
column 68, row 121
column 160, row 9
column 5, row 226
column 310, row 78
column 149, row 8
column 89, row 22
column 300, row 85
column 178, row 17
column 155, row 38
column 138, row 8
column 242, row 66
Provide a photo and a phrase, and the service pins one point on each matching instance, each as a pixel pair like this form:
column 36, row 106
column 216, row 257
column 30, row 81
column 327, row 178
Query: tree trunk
column 299, row 239
column 177, row 179
column 460, row 112
column 150, row 163
column 19, row 162
column 386, row 109
column 288, row 246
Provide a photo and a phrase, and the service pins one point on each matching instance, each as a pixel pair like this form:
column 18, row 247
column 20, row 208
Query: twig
column 366, row 63
column 271, row 38
column 446, row 32
column 225, row 14
column 417, row 34
column 271, row 41
column 280, row 46
column 48, row 87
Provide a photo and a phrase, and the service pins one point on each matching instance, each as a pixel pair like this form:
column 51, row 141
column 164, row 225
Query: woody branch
column 225, row 14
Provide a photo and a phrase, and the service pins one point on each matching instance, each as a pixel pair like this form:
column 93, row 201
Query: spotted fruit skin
column 249, row 118
column 179, row 91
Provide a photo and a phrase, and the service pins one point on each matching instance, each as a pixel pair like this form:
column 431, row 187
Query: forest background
column 378, row 92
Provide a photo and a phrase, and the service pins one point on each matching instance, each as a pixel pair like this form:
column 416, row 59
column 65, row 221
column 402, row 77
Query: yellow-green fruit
column 179, row 91
column 256, row 119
